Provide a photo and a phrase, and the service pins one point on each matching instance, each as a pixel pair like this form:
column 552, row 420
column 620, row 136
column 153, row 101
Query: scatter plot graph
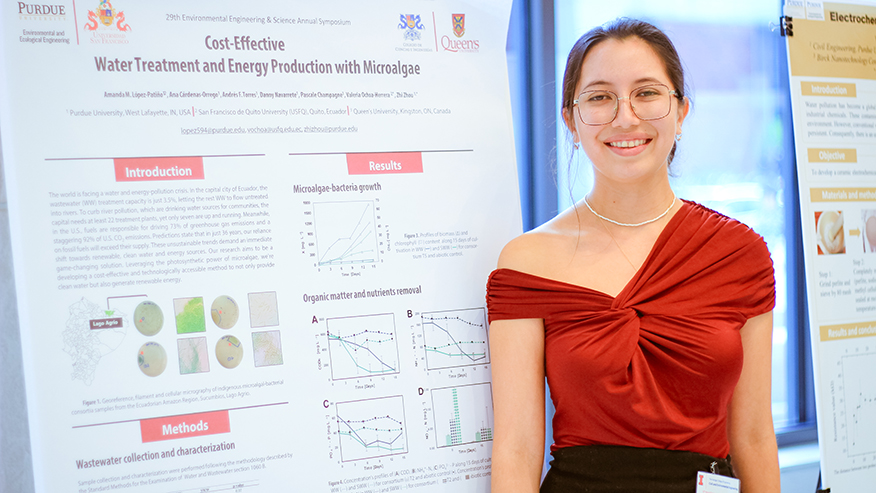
column 346, row 232
column 362, row 346
column 455, row 338
column 859, row 392
column 371, row 428
column 463, row 414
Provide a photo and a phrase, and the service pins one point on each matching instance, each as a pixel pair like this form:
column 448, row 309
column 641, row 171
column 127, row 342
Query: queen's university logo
column 458, row 24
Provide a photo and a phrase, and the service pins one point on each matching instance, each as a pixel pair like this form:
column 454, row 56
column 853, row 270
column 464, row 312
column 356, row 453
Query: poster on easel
column 251, row 243
column 832, row 61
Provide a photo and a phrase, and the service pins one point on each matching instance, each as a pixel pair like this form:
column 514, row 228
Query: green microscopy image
column 189, row 313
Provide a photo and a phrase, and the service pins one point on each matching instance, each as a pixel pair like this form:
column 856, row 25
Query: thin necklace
column 649, row 221
column 635, row 269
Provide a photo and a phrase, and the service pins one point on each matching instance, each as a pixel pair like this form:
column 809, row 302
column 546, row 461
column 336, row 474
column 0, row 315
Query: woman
column 636, row 306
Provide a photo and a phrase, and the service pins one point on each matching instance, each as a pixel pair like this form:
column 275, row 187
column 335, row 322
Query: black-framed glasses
column 651, row 102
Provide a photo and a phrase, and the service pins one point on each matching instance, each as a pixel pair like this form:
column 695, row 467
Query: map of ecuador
column 86, row 345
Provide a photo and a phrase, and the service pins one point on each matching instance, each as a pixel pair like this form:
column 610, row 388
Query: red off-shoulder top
column 656, row 365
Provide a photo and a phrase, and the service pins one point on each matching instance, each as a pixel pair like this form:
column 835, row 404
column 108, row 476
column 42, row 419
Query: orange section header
column 833, row 155
column 159, row 168
column 384, row 163
column 184, row 426
column 830, row 89
column 847, row 331
column 842, row 194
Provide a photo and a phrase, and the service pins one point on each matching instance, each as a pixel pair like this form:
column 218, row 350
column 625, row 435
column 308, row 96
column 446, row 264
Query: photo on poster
column 193, row 355
column 152, row 359
column 224, row 312
column 189, row 313
column 263, row 310
column 266, row 348
column 868, row 238
column 148, row 318
column 229, row 351
column 830, row 236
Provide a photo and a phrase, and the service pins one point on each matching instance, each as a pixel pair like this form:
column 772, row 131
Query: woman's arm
column 750, row 424
column 517, row 359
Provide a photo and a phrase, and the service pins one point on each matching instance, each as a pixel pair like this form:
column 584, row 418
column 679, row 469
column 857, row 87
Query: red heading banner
column 184, row 426
column 159, row 168
column 384, row 163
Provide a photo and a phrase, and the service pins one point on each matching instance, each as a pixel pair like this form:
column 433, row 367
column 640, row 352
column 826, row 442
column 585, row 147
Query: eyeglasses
column 651, row 102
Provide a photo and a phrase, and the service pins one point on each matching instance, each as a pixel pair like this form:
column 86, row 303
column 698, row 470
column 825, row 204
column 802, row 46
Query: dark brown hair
column 619, row 30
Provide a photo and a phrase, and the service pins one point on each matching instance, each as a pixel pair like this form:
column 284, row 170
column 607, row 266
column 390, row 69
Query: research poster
column 251, row 241
column 832, row 54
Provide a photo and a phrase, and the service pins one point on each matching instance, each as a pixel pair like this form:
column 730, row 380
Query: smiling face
column 627, row 149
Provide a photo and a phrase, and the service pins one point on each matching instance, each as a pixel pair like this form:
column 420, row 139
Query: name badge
column 715, row 483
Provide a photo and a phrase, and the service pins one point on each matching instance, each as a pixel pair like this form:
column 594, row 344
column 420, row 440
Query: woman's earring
column 577, row 146
column 678, row 136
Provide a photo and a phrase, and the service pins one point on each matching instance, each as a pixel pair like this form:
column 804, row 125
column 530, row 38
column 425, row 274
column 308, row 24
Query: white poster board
column 832, row 57
column 251, row 241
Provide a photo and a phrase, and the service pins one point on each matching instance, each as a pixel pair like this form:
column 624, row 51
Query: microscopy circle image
column 225, row 312
column 148, row 318
column 229, row 351
column 152, row 359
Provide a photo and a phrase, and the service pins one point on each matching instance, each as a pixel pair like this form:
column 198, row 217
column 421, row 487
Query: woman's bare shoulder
column 539, row 250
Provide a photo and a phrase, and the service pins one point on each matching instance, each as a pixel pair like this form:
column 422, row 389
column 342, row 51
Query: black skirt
column 611, row 468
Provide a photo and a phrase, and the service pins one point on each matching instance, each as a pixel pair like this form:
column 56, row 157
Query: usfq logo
column 412, row 26
column 106, row 15
column 459, row 45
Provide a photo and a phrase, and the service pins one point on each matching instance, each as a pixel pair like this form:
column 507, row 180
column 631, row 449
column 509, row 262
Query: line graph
column 455, row 338
column 463, row 414
column 371, row 428
column 859, row 394
column 346, row 232
column 362, row 346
